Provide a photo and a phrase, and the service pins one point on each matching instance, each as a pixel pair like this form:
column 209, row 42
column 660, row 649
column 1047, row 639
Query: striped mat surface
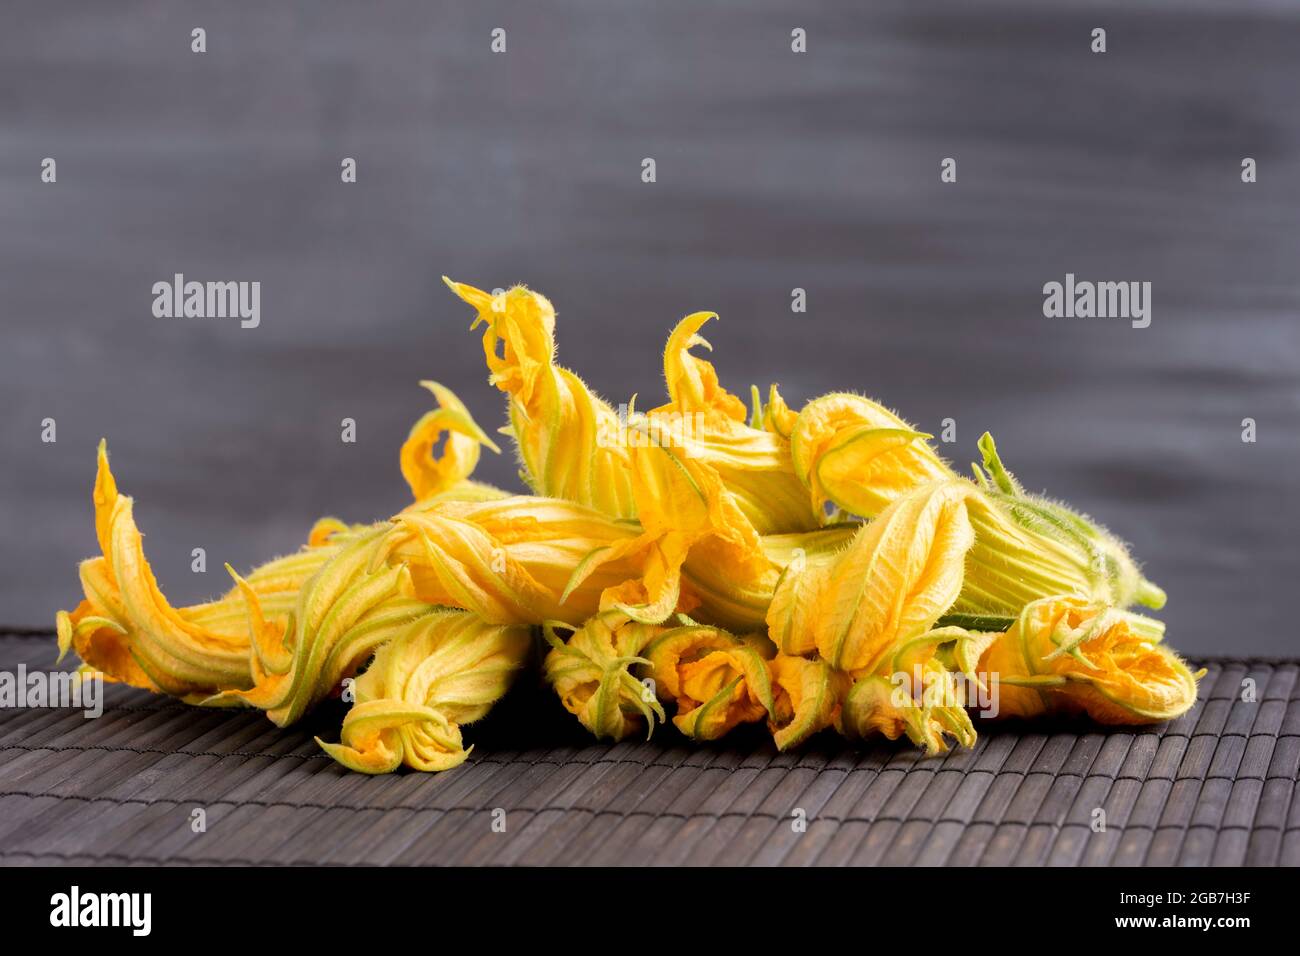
column 1217, row 787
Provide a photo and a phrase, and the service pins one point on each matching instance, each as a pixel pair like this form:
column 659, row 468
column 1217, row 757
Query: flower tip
column 1150, row 595
column 63, row 628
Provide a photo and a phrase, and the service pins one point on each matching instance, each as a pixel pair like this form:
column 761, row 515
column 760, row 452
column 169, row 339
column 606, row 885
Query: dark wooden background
column 775, row 170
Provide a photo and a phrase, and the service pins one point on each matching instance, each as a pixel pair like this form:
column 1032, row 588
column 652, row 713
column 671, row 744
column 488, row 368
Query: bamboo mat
column 1217, row 787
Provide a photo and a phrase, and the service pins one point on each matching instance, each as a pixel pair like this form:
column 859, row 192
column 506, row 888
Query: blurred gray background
column 775, row 170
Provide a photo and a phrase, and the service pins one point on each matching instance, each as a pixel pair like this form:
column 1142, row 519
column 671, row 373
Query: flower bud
column 922, row 691
column 1029, row 548
column 591, row 672
column 717, row 680
column 1068, row 656
column 438, row 673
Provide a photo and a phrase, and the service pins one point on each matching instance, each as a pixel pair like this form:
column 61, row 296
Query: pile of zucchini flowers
column 704, row 561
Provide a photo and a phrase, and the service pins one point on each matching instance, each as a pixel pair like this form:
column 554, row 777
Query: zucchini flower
column 752, row 463
column 861, row 457
column 592, row 674
column 128, row 631
column 438, row 673
column 1067, row 656
column 558, row 424
column 855, row 453
column 923, row 691
column 806, row 697
column 525, row 560
column 1027, row 548
column 427, row 475
column 352, row 605
column 717, row 680
column 890, row 585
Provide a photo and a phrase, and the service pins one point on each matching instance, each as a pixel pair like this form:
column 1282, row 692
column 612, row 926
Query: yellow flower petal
column 902, row 571
column 426, row 475
column 856, row 453
column 692, row 382
column 807, row 695
column 778, row 416
column 524, row 560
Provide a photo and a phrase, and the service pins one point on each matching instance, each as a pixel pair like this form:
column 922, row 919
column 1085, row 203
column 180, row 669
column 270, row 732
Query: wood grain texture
column 1216, row 787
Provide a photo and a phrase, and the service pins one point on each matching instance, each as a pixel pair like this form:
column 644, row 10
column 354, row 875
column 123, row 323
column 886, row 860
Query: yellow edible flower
column 128, row 631
column 440, row 672
column 847, row 618
column 591, row 672
column 1065, row 655
column 555, row 419
column 716, row 679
